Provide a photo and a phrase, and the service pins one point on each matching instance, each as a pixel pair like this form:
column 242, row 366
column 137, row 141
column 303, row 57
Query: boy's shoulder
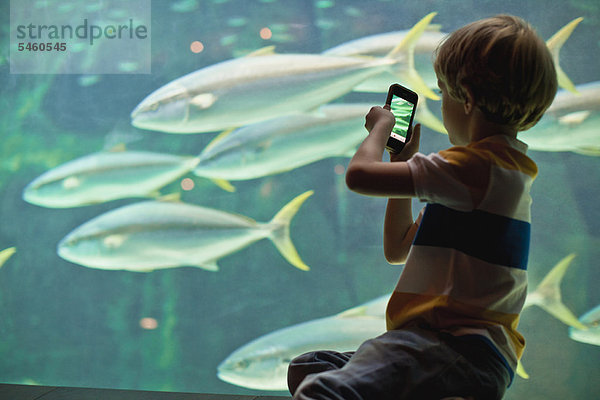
column 498, row 150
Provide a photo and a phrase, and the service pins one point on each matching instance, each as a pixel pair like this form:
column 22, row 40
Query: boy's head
column 504, row 64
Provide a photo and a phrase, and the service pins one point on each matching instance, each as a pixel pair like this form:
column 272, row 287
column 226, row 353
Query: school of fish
column 275, row 113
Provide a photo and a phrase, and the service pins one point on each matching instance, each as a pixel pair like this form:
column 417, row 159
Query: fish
column 262, row 86
column 284, row 143
column 591, row 335
column 6, row 254
column 571, row 123
column 151, row 235
column 378, row 45
column 547, row 294
column 105, row 176
column 263, row 363
column 423, row 48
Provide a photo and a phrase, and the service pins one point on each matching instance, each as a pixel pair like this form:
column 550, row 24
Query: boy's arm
column 367, row 174
column 398, row 227
column 398, row 230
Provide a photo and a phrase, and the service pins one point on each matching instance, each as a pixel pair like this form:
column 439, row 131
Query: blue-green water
column 66, row 324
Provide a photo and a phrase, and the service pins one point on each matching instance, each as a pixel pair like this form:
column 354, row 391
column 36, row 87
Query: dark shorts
column 412, row 363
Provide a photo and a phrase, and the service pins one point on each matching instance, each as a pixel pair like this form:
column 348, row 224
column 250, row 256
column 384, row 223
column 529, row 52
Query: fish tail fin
column 550, row 297
column 427, row 118
column 281, row 232
column 554, row 44
column 6, row 254
column 407, row 47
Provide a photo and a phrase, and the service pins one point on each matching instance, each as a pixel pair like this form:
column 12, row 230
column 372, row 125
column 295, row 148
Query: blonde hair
column 506, row 66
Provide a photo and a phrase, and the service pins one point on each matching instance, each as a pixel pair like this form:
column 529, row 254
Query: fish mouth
column 136, row 115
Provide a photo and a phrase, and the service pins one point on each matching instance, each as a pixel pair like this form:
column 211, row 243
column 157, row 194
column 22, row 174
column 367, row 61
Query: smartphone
column 402, row 102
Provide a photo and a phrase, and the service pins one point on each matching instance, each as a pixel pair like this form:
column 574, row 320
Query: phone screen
column 402, row 102
column 403, row 111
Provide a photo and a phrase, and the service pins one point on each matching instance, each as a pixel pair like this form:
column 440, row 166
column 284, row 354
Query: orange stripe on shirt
column 443, row 312
column 507, row 157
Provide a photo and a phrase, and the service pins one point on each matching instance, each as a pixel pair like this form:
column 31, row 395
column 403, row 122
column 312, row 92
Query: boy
column 453, row 316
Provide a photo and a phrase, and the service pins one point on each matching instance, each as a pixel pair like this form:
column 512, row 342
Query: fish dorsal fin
column 554, row 44
column 170, row 198
column 218, row 138
column 264, row 51
column 574, row 118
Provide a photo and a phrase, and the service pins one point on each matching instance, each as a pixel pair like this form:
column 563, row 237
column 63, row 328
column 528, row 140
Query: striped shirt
column 466, row 272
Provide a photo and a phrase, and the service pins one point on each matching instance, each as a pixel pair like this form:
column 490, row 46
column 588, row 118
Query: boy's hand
column 379, row 115
column 411, row 147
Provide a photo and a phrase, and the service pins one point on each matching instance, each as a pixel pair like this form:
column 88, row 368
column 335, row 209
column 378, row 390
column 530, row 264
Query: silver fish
column 106, row 176
column 380, row 44
column 250, row 89
column 155, row 235
column 424, row 47
column 571, row 123
column 262, row 363
column 284, row 143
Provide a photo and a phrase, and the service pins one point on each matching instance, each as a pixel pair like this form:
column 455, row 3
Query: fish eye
column 242, row 364
column 153, row 107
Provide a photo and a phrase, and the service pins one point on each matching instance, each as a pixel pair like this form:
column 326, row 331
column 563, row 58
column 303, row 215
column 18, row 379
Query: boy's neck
column 478, row 127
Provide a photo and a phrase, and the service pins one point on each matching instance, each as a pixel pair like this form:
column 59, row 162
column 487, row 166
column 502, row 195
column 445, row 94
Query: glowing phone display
column 403, row 103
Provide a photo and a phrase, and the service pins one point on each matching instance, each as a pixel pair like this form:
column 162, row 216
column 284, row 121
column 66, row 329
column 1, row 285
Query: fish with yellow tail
column 284, row 143
column 571, row 123
column 265, row 85
column 106, row 176
column 153, row 235
column 423, row 49
column 263, row 363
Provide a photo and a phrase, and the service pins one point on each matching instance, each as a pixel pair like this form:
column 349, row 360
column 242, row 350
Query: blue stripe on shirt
column 490, row 237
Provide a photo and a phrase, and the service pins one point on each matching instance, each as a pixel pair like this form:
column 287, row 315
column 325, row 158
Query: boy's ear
column 469, row 101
